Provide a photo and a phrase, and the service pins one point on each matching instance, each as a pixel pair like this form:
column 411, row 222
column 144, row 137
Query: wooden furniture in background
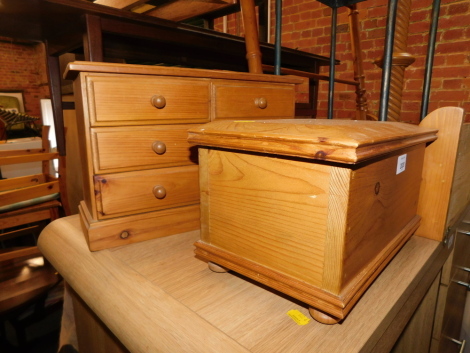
column 358, row 82
column 297, row 204
column 445, row 194
column 103, row 33
column 26, row 282
column 253, row 53
column 32, row 198
column 140, row 175
column 169, row 10
column 27, row 203
column 362, row 109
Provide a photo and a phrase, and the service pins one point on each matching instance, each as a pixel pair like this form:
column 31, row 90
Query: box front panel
column 269, row 210
column 383, row 200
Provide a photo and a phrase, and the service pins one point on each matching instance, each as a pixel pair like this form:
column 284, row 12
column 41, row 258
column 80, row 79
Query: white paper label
column 401, row 164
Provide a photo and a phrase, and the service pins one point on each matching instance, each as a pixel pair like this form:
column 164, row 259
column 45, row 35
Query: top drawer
column 137, row 100
column 252, row 100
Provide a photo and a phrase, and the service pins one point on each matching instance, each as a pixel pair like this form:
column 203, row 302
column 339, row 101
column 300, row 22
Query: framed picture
column 12, row 100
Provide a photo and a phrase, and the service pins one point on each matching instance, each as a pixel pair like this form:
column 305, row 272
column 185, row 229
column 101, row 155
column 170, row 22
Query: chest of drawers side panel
column 83, row 126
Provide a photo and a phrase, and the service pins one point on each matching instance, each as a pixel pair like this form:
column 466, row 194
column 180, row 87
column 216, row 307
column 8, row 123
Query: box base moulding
column 325, row 307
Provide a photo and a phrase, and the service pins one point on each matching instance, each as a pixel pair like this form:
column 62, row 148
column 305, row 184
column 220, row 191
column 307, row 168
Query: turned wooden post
column 401, row 59
column 253, row 53
column 359, row 77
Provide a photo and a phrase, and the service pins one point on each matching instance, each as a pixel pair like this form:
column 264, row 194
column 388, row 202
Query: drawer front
column 142, row 191
column 136, row 100
column 252, row 100
column 130, row 148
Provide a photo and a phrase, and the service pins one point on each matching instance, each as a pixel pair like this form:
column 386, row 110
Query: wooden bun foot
column 217, row 268
column 322, row 317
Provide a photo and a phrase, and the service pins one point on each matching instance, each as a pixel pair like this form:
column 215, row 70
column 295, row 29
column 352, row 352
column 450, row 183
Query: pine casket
column 312, row 208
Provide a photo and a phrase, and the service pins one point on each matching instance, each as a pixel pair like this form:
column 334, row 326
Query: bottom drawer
column 146, row 190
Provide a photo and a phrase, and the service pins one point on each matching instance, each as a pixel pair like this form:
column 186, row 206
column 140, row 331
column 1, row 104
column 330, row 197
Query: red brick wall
column 22, row 68
column 306, row 26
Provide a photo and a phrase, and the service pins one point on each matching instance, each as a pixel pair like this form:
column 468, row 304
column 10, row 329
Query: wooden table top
column 157, row 294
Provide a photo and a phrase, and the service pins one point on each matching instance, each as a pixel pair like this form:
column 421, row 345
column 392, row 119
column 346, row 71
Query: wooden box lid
column 345, row 141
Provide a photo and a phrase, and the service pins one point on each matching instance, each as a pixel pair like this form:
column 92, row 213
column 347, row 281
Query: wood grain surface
column 157, row 296
column 250, row 24
column 381, row 204
column 343, row 141
column 10, row 158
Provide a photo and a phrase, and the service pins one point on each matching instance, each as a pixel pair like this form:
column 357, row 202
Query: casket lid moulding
column 343, row 141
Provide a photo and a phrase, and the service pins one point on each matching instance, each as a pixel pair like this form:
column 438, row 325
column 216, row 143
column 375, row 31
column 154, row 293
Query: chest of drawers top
column 147, row 95
column 76, row 67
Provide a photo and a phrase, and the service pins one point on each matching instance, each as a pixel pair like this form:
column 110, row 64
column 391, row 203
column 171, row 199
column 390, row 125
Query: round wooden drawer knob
column 158, row 101
column 261, row 102
column 159, row 147
column 159, row 192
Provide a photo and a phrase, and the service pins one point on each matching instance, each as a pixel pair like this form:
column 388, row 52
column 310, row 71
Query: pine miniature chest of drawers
column 312, row 208
column 140, row 174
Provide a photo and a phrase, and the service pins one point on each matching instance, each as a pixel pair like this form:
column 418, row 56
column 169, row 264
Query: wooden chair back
column 29, row 199
column 27, row 204
column 28, row 187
